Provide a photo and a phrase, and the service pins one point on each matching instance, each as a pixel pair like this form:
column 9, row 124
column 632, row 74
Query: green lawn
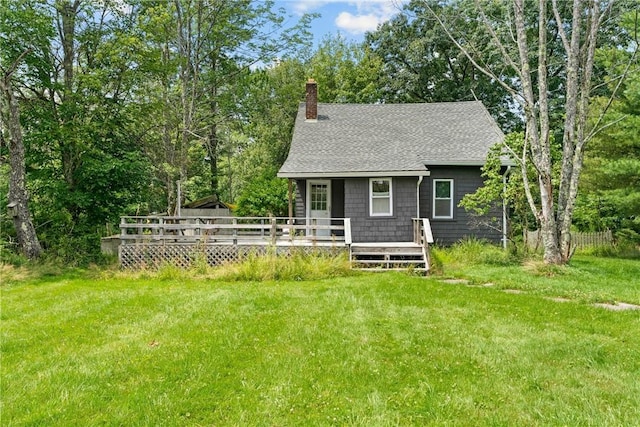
column 87, row 348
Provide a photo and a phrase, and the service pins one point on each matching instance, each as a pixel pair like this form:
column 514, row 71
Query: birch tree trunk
column 578, row 36
column 18, row 197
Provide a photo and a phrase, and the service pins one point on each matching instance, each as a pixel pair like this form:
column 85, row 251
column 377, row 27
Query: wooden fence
column 578, row 240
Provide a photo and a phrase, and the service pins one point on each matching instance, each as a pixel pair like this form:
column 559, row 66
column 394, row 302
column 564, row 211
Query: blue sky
column 351, row 18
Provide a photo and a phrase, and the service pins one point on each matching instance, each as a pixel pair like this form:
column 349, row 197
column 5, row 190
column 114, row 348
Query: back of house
column 385, row 165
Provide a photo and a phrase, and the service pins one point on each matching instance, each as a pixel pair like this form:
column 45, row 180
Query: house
column 384, row 165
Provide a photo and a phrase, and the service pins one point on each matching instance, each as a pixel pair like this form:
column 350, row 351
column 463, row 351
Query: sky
column 350, row 18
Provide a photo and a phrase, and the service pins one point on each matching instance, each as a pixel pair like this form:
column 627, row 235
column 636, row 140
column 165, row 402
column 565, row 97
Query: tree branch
column 466, row 53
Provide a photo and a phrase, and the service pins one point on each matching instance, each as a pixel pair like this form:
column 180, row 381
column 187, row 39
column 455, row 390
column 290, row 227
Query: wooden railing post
column 416, row 230
column 347, row 231
column 235, row 231
column 123, row 229
column 427, row 238
column 273, row 230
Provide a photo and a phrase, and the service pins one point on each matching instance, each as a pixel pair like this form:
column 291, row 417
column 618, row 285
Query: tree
column 523, row 48
column 22, row 54
column 346, row 72
column 18, row 198
column 84, row 162
column 420, row 63
column 610, row 184
column 207, row 49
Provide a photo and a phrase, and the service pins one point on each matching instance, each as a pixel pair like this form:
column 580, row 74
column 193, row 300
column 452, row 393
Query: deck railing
column 234, row 230
column 422, row 231
column 423, row 236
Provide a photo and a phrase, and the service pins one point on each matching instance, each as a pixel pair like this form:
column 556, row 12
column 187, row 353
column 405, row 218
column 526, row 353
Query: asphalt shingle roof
column 380, row 138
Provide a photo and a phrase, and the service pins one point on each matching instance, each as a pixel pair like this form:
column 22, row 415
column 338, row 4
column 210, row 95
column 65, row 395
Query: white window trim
column 371, row 180
column 451, row 197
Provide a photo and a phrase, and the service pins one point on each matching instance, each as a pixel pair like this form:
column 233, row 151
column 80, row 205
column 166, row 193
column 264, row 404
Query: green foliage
column 345, row 72
column 626, row 247
column 420, row 63
column 475, row 252
column 610, row 183
column 486, row 202
column 263, row 197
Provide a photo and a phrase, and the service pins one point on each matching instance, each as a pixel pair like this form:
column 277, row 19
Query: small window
column 319, row 197
column 381, row 199
column 443, row 198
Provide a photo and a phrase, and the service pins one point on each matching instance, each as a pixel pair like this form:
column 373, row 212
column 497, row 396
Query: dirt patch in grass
column 559, row 299
column 455, row 281
column 621, row 306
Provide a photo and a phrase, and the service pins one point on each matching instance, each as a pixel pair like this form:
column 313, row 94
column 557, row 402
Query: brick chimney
column 312, row 100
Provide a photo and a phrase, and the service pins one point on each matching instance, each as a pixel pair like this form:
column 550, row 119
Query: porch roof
column 393, row 139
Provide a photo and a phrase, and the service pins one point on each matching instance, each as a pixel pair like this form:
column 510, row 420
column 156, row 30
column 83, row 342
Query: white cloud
column 357, row 24
column 369, row 14
column 302, row 7
column 378, row 7
column 353, row 16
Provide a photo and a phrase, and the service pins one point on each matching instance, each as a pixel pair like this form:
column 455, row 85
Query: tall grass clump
column 475, row 251
column 297, row 265
column 623, row 250
column 470, row 252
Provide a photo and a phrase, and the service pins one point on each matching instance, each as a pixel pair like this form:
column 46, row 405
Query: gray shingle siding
column 337, row 198
column 365, row 228
column 446, row 231
column 350, row 199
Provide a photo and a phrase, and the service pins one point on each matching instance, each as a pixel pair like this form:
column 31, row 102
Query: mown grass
column 587, row 278
column 96, row 348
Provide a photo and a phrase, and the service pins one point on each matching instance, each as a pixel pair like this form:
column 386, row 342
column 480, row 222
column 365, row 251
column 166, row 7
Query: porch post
column 290, row 199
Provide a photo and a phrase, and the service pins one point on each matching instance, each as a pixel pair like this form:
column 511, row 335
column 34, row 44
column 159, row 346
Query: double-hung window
column 443, row 199
column 380, row 197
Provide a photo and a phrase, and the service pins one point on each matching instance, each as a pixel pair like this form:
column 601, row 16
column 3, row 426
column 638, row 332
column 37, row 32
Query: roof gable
column 389, row 138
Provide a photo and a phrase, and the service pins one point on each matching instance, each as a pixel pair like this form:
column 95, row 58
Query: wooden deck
column 152, row 241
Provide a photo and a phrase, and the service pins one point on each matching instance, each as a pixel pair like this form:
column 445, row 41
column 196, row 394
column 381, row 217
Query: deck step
column 382, row 270
column 381, row 250
column 388, row 257
column 388, row 261
column 393, row 254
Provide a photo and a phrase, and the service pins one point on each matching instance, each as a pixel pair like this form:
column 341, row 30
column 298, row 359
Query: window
column 443, row 198
column 319, row 197
column 380, row 200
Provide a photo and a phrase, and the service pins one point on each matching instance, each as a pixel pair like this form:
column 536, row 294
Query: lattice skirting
column 140, row 256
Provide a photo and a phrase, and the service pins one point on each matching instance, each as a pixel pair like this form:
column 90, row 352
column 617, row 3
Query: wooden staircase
column 402, row 256
column 413, row 256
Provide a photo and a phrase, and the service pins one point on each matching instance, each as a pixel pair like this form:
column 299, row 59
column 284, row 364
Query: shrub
column 263, row 197
column 475, row 251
